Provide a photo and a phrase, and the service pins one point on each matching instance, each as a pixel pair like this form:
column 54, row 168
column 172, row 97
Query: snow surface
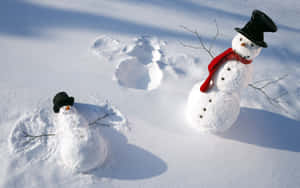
column 79, row 46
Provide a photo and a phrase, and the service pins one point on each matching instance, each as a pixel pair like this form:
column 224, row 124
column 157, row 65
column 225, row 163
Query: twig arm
column 203, row 46
column 96, row 122
column 272, row 100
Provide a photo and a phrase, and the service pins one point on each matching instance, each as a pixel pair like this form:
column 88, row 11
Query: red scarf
column 214, row 65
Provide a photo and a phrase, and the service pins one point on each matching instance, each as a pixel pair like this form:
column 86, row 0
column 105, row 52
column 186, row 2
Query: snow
column 81, row 149
column 75, row 46
column 141, row 70
column 212, row 111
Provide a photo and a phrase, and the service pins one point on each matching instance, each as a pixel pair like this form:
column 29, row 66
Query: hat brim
column 56, row 109
column 259, row 43
column 71, row 101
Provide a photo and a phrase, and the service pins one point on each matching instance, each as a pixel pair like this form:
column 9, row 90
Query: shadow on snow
column 265, row 129
column 30, row 20
column 125, row 161
column 128, row 161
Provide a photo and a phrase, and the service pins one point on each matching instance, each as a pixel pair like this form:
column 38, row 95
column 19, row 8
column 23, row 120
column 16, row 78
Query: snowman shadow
column 125, row 161
column 265, row 129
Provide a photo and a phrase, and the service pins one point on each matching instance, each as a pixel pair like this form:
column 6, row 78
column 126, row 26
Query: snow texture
column 141, row 71
column 106, row 47
column 75, row 134
column 90, row 49
column 38, row 122
column 138, row 66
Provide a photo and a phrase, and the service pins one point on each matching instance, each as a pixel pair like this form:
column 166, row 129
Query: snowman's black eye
column 241, row 39
column 252, row 45
column 228, row 68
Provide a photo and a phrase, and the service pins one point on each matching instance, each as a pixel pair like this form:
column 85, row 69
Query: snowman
column 81, row 148
column 214, row 104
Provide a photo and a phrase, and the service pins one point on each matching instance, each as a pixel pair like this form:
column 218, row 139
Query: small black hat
column 255, row 28
column 62, row 99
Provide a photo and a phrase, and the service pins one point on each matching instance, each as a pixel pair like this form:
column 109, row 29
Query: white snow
column 81, row 148
column 80, row 46
column 141, row 70
column 212, row 111
column 106, row 47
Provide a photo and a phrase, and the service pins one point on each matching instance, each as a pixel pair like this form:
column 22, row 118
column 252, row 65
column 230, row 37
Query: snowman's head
column 68, row 109
column 232, row 76
column 68, row 117
column 244, row 47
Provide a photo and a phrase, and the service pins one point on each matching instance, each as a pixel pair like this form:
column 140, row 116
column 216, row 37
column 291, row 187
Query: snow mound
column 141, row 70
column 106, row 47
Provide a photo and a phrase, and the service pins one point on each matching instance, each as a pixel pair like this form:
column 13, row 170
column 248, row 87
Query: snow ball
column 233, row 76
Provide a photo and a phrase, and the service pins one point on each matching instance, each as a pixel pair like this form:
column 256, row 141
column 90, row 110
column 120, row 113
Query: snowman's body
column 218, row 108
column 81, row 148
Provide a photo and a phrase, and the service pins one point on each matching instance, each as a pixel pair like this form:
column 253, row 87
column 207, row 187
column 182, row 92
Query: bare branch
column 190, row 46
column 34, row 137
column 274, row 81
column 203, row 46
column 26, row 135
column 281, row 95
column 272, row 100
column 260, row 81
column 216, row 36
column 96, row 122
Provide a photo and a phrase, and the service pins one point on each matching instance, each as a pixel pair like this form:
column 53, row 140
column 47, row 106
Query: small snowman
column 81, row 148
column 214, row 104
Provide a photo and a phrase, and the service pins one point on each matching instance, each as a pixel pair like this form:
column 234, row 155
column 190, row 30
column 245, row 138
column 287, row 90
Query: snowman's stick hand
column 101, row 118
column 253, row 85
column 34, row 137
column 26, row 135
column 216, row 36
column 102, row 124
column 272, row 100
column 279, row 96
column 208, row 50
column 274, row 81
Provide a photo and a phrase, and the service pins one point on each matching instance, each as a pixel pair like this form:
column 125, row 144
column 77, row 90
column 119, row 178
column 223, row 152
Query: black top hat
column 255, row 28
column 62, row 99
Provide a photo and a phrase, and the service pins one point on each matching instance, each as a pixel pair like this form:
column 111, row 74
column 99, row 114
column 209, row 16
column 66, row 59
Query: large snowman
column 214, row 104
column 81, row 148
